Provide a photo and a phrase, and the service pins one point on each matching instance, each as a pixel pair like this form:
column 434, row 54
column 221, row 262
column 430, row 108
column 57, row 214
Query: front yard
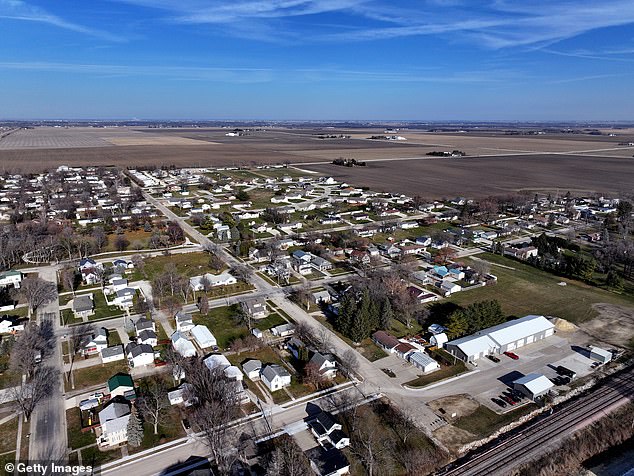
column 222, row 324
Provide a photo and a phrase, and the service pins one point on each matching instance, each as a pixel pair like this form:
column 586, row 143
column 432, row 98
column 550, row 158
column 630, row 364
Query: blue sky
column 317, row 59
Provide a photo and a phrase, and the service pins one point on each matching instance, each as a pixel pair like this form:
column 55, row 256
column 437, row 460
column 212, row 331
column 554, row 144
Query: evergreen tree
column 457, row 325
column 614, row 281
column 386, row 314
column 135, row 429
column 347, row 310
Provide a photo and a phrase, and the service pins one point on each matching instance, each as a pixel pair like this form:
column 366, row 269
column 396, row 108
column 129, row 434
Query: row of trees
column 474, row 317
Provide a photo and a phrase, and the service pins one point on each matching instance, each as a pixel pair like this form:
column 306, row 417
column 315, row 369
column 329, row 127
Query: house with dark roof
column 83, row 306
column 139, row 355
column 275, row 377
column 112, row 354
column 386, row 341
column 330, row 462
column 325, row 364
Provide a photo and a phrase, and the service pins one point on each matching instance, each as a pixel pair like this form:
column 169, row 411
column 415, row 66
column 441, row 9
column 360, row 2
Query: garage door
column 510, row 346
column 530, row 339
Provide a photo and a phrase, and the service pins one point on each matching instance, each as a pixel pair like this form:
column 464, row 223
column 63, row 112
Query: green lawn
column 222, row 325
column 484, row 421
column 113, row 337
column 6, row 378
column 77, row 438
column 8, row 435
column 102, row 310
column 93, row 456
column 68, row 318
column 160, row 332
column 170, row 429
column 272, row 320
column 189, row 264
column 528, row 290
column 97, row 374
column 445, row 371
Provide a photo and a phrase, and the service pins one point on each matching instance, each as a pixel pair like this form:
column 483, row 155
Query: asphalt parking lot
column 490, row 379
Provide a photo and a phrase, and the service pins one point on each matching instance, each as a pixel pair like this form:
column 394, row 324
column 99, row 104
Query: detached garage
column 203, row 337
column 533, row 385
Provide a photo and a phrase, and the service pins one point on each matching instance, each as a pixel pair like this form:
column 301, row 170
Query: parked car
column 508, row 399
column 595, row 365
column 97, row 395
column 493, row 358
column 499, row 402
column 511, row 355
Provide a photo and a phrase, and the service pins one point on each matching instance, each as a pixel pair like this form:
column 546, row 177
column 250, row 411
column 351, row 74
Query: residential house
column 252, row 368
column 144, row 324
column 283, row 330
column 448, row 288
column 11, row 324
column 297, row 348
column 114, row 424
column 83, row 306
column 321, row 297
column 325, row 363
column 327, row 431
column 275, row 377
column 386, row 341
column 422, row 296
column 424, row 240
column 213, row 280
column 10, row 278
column 97, row 342
column 330, row 462
column 112, row 354
column 147, row 336
column 439, row 339
column 180, row 395
column 184, row 321
column 139, row 355
column 124, row 298
column 182, row 345
column 255, row 308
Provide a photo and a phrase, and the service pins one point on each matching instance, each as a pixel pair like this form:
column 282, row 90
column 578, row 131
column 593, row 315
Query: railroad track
column 511, row 450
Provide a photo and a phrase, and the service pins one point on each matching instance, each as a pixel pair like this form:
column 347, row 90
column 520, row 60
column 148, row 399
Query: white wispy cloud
column 22, row 11
column 251, row 75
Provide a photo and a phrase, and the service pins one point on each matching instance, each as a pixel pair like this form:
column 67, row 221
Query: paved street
column 48, row 421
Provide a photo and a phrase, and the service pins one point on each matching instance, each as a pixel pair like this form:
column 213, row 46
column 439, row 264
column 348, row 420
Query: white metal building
column 600, row 355
column 504, row 337
column 203, row 337
column 423, row 361
column 533, row 385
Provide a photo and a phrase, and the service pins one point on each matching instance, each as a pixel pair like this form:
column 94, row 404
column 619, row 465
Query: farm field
column 484, row 176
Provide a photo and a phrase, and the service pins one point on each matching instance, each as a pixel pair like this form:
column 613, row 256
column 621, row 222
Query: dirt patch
column 614, row 324
column 564, row 325
column 460, row 405
column 454, row 438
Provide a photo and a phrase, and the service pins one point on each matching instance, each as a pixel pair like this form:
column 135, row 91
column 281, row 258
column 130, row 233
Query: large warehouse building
column 501, row 338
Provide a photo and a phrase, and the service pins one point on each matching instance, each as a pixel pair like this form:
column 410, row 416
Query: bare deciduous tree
column 153, row 401
column 349, row 363
column 216, row 406
column 37, row 292
column 287, row 459
column 33, row 391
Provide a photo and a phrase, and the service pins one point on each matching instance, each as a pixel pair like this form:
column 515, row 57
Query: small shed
column 439, row 339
